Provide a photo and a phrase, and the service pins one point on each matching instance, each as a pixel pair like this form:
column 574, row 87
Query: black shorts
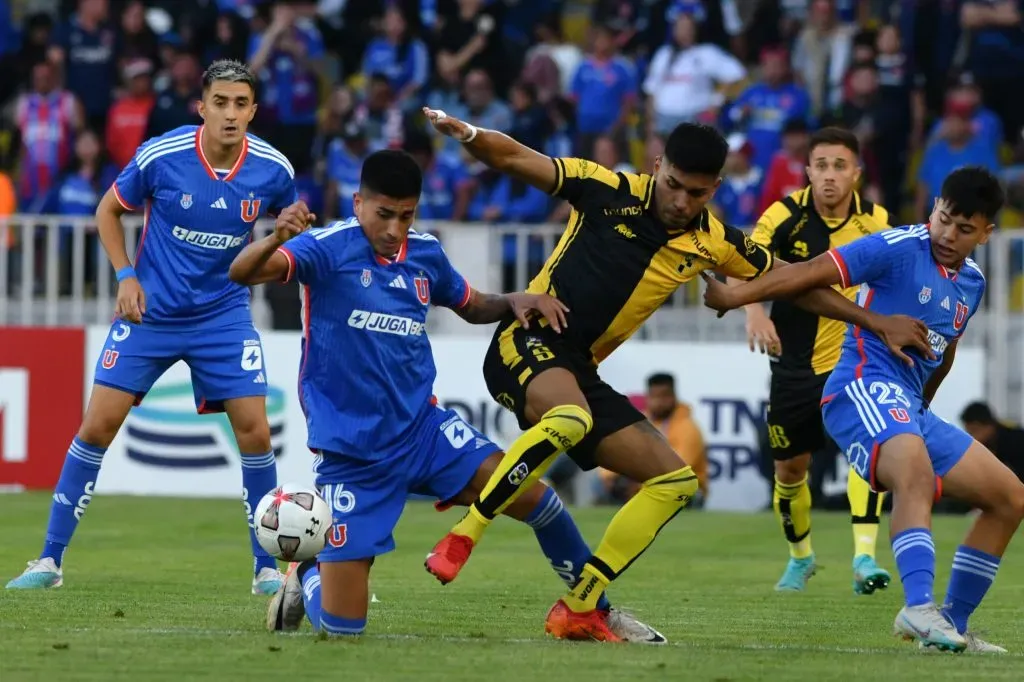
column 795, row 426
column 517, row 355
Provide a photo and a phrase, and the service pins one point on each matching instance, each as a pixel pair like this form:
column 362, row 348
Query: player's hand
column 899, row 332
column 447, row 125
column 762, row 335
column 718, row 295
column 549, row 307
column 131, row 301
column 293, row 221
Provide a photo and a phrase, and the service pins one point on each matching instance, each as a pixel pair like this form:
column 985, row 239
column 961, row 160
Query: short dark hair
column 973, row 190
column 393, row 173
column 662, row 379
column 837, row 136
column 231, row 71
column 977, row 413
column 696, row 148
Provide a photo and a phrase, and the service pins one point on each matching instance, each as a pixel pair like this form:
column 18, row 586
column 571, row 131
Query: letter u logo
column 250, row 209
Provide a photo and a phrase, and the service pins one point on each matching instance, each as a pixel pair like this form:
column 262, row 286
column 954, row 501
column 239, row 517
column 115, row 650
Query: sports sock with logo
column 340, row 626
column 71, row 497
column 792, row 504
column 973, row 573
column 259, row 476
column 865, row 512
column 915, row 558
column 309, row 578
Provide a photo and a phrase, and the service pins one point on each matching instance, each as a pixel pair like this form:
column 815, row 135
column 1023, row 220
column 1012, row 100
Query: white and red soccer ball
column 292, row 522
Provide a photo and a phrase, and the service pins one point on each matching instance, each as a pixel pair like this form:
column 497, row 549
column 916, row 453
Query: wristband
column 472, row 134
column 125, row 272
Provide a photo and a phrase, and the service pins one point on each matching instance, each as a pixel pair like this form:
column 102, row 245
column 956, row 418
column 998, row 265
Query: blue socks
column 560, row 540
column 71, row 497
column 973, row 573
column 259, row 476
column 915, row 559
column 322, row 621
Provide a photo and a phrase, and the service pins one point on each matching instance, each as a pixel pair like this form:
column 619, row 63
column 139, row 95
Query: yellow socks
column 560, row 429
column 630, row 532
column 865, row 512
column 792, row 503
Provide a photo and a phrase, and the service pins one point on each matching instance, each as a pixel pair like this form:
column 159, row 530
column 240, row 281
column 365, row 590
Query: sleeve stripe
column 120, row 199
column 467, row 296
column 559, row 176
column 844, row 273
column 291, row 264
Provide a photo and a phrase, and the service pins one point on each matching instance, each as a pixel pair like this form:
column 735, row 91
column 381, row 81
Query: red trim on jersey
column 306, row 315
column 844, row 273
column 399, row 257
column 121, row 200
column 825, row 400
column 469, row 294
column 206, row 163
column 872, row 480
column 145, row 229
column 433, row 400
column 291, row 264
column 859, row 370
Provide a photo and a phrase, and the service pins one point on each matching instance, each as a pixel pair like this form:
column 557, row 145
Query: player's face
column 954, row 237
column 227, row 108
column 680, row 197
column 833, row 172
column 385, row 220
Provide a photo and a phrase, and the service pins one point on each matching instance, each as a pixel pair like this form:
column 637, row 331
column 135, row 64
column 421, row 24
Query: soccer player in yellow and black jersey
column 631, row 241
column 804, row 349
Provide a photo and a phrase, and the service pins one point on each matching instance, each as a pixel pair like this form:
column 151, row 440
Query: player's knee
column 253, row 436
column 677, row 486
column 99, row 428
column 567, row 424
column 791, row 471
column 1010, row 504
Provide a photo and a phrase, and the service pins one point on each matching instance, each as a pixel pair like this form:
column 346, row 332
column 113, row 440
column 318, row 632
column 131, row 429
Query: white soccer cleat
column 977, row 645
column 927, row 625
column 629, row 629
column 41, row 574
column 267, row 582
column 286, row 610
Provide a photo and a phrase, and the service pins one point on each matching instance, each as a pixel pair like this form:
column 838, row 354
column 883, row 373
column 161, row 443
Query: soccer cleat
column 40, row 574
column 286, row 610
column 448, row 557
column 267, row 582
column 977, row 645
column 868, row 576
column 629, row 629
column 798, row 572
column 564, row 623
column 927, row 625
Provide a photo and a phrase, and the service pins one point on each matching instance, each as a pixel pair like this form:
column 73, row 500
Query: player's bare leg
column 561, row 418
column 791, row 500
column 902, row 465
column 988, row 485
column 248, row 417
column 108, row 408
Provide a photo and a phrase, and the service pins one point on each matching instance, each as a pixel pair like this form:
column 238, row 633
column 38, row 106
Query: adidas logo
column 481, row 443
column 220, row 203
column 398, row 283
column 260, row 379
column 945, row 303
column 61, row 498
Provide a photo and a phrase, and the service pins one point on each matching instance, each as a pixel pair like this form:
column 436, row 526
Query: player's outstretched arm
column 498, row 150
column 484, row 308
column 262, row 261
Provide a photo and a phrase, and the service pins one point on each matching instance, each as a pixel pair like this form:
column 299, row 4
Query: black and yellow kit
column 794, row 231
column 613, row 267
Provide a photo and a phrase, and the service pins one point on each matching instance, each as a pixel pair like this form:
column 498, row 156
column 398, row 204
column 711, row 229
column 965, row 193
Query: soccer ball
column 292, row 522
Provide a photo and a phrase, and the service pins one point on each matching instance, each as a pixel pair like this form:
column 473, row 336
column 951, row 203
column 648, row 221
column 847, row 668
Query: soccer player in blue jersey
column 877, row 408
column 366, row 388
column 202, row 188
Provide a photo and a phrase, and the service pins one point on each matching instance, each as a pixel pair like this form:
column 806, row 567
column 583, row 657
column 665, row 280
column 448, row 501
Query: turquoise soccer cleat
column 40, row 575
column 868, row 576
column 798, row 572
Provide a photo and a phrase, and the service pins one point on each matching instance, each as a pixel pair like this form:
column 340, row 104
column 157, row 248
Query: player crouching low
column 366, row 388
column 877, row 409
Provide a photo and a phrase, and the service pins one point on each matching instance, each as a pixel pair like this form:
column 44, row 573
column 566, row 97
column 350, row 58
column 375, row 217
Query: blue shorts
column 226, row 362
column 439, row 458
column 861, row 414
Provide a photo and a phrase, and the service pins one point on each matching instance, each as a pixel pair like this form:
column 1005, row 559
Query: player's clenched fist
column 292, row 221
column 131, row 301
column 449, row 125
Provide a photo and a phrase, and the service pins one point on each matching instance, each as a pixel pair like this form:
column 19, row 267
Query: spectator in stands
column 1006, row 441
column 822, row 55
column 135, row 39
column 469, row 41
column 718, row 20
column 481, row 107
column 957, row 145
column 231, row 39
column 682, row 83
column 629, row 20
column 331, row 121
column 984, row 122
column 606, row 153
column 787, row 171
column 446, row 186
column 84, row 51
column 552, row 45
column 899, row 115
column 345, row 156
column 34, row 47
column 176, row 105
column 858, row 113
column 763, row 107
column 604, row 89
column 997, row 56
column 401, row 58
column 530, row 123
column 380, row 116
column 128, row 118
column 47, row 119
column 738, row 196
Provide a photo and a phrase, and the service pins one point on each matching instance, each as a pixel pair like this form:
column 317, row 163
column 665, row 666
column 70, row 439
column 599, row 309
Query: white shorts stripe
column 865, row 416
column 863, row 391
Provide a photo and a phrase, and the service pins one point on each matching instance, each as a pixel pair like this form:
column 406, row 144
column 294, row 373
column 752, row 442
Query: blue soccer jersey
column 367, row 369
column 197, row 219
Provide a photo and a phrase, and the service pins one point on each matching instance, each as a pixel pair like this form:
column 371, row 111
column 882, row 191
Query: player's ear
column 201, row 109
column 657, row 164
column 252, row 112
column 986, row 233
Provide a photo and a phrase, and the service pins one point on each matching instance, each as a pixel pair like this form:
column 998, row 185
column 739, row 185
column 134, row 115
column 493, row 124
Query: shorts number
column 889, row 394
column 338, row 535
column 777, row 437
column 341, row 500
column 540, row 352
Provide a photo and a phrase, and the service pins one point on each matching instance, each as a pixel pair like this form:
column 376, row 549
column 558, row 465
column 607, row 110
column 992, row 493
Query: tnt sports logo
column 165, row 430
column 385, row 324
column 207, row 240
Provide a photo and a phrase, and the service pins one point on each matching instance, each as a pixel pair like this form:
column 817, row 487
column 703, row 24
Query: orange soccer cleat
column 448, row 557
column 564, row 623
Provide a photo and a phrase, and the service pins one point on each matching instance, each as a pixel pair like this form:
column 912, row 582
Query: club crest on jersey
column 925, row 295
column 250, row 209
column 186, row 201
column 422, row 289
column 366, row 277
